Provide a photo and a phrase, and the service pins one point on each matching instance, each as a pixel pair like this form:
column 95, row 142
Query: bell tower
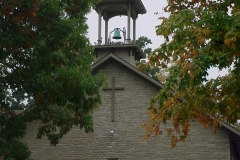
column 127, row 50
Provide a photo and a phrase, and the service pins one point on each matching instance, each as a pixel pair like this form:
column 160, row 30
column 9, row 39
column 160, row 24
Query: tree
column 143, row 42
column 45, row 69
column 199, row 34
column 156, row 73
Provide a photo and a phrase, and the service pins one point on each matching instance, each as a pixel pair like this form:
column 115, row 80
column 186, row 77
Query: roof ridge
column 129, row 66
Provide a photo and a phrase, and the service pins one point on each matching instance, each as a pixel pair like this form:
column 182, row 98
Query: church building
column 117, row 122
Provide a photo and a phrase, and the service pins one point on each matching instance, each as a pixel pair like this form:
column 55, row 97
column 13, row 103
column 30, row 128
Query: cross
column 113, row 96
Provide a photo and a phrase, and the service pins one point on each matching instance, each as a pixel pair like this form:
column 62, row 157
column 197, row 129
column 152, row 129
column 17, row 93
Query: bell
column 116, row 34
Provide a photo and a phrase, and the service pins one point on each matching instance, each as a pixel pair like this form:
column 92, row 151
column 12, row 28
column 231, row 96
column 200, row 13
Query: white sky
column 145, row 26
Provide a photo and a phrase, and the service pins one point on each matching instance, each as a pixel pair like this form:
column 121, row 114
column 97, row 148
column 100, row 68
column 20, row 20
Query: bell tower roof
column 112, row 8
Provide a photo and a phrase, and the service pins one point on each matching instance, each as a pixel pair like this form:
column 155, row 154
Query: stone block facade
column 125, row 143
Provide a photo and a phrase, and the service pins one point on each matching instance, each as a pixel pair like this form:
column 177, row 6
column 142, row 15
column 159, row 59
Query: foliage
column 143, row 42
column 151, row 71
column 45, row 60
column 199, row 34
column 157, row 73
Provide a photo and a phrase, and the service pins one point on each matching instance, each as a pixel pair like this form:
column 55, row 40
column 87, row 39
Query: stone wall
column 126, row 144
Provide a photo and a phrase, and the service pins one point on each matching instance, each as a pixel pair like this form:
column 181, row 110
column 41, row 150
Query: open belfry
column 117, row 122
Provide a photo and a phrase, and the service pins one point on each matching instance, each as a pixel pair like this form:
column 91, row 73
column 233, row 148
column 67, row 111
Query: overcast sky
column 145, row 26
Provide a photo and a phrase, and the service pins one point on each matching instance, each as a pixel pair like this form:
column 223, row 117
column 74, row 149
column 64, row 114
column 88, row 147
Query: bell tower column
column 134, row 30
column 106, row 32
column 128, row 23
column 99, row 27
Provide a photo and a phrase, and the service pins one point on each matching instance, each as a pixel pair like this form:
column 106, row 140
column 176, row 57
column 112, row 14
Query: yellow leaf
column 201, row 40
column 230, row 42
column 191, row 75
column 207, row 32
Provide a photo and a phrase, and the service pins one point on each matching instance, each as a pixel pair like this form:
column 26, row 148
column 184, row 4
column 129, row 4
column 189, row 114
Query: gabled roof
column 112, row 57
column 230, row 127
